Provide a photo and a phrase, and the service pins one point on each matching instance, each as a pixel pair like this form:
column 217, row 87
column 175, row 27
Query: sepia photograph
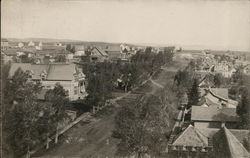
column 125, row 79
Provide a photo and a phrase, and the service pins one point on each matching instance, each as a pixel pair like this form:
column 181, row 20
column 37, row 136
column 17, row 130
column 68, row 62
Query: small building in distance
column 31, row 44
column 68, row 75
column 213, row 117
column 4, row 44
column 20, row 44
column 98, row 55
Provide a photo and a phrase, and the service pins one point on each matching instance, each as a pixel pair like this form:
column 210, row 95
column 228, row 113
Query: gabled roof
column 12, row 51
column 60, row 72
column 214, row 114
column 191, row 136
column 237, row 150
column 102, row 52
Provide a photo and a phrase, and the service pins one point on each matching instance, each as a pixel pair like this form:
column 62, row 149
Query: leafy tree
column 73, row 49
column 68, row 47
column 168, row 51
column 194, row 94
column 60, row 58
column 58, row 98
column 141, row 127
column 243, row 110
column 218, row 80
column 25, row 59
column 20, row 119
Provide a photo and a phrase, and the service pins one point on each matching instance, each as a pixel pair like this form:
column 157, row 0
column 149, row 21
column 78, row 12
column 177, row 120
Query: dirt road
column 94, row 139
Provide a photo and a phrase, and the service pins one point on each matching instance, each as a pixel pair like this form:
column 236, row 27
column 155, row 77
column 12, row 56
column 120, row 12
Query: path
column 157, row 84
column 94, row 139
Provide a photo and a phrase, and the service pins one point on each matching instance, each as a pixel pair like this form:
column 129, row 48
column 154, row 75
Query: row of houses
column 211, row 129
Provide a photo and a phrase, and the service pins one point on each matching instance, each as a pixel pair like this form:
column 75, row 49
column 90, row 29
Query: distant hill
column 46, row 40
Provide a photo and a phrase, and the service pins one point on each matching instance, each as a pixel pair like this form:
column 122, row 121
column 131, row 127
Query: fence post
column 56, row 137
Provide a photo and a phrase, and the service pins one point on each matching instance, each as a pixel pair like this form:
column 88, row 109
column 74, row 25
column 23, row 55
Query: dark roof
column 12, row 51
column 54, row 71
column 214, row 114
column 52, row 47
column 4, row 40
column 237, row 150
column 241, row 134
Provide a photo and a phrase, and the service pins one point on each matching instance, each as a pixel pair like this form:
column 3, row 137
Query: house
column 224, row 68
column 10, row 54
column 113, row 51
column 6, row 58
column 98, row 55
column 79, row 50
column 216, row 97
column 195, row 142
column 58, row 44
column 39, row 46
column 213, row 117
column 4, row 44
column 31, row 44
column 52, row 48
column 246, row 69
column 20, row 45
column 67, row 75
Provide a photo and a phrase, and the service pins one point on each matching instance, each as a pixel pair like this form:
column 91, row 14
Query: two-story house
column 68, row 75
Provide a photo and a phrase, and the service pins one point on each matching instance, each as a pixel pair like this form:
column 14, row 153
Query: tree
column 243, row 110
column 73, row 49
column 20, row 119
column 168, row 51
column 218, row 80
column 68, row 47
column 141, row 127
column 58, row 98
column 194, row 94
column 60, row 58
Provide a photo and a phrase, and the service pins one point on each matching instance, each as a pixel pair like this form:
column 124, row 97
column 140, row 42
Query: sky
column 193, row 24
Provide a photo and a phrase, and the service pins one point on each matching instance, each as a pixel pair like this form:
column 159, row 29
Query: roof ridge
column 199, row 134
column 233, row 142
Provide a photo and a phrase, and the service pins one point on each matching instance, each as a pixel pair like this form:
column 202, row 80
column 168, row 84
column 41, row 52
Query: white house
column 31, row 44
column 20, row 45
column 68, row 75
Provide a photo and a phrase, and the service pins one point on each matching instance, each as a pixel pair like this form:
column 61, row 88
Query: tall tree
column 218, row 80
column 141, row 127
column 20, row 119
column 58, row 98
column 193, row 93
column 243, row 110
column 60, row 58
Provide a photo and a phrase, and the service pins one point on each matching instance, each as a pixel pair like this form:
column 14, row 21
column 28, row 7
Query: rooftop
column 60, row 72
column 214, row 114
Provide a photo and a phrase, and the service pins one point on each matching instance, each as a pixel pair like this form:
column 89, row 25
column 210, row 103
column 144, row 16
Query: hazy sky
column 210, row 24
